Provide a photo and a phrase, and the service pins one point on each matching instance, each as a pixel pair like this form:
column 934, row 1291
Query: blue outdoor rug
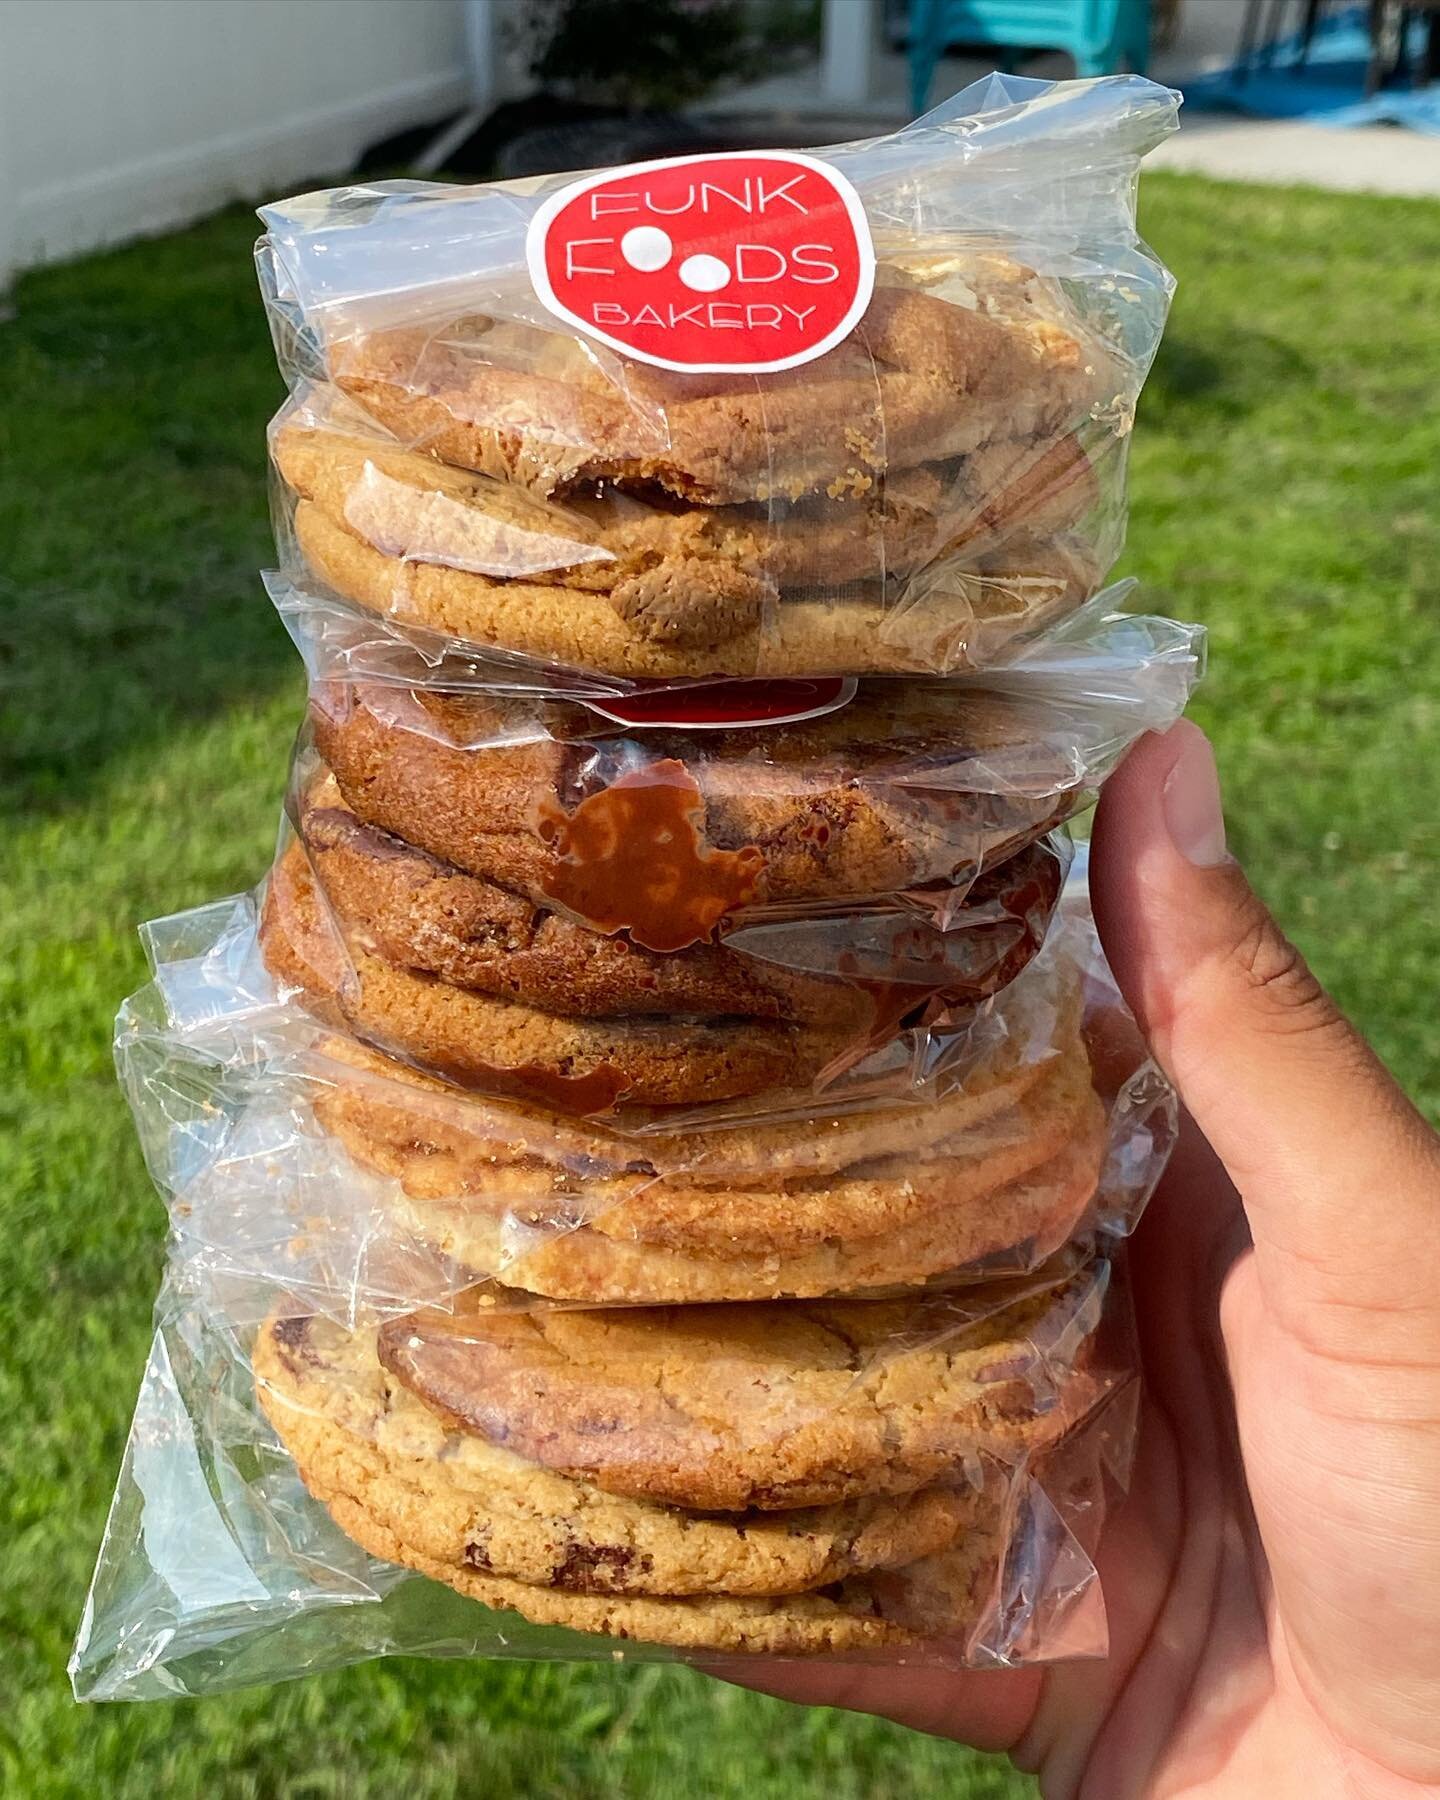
column 1328, row 90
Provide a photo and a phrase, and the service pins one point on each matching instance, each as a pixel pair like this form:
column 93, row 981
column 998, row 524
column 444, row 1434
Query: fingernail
column 1191, row 801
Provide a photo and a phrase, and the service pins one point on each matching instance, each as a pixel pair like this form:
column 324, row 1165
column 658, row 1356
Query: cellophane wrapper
column 648, row 1171
column 346, row 1446
column 331, row 1103
column 456, row 460
column 664, row 927
column 294, row 1155
column 222, row 1565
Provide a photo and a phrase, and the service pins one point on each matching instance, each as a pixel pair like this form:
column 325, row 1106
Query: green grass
column 1284, row 493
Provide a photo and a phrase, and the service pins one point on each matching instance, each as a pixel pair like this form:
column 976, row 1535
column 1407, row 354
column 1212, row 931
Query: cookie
column 1013, row 1226
column 948, row 620
column 420, row 913
column 447, row 1145
column 475, row 1040
column 792, row 1404
column 1012, row 1181
column 919, row 380
column 623, row 544
column 663, row 833
column 629, row 587
column 470, row 1507
column 1058, row 1112
column 896, row 1609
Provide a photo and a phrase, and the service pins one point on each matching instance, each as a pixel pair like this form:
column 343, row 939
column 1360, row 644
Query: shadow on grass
column 134, row 390
column 1226, row 379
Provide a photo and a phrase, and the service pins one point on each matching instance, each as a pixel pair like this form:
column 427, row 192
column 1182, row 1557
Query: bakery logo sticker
column 748, row 262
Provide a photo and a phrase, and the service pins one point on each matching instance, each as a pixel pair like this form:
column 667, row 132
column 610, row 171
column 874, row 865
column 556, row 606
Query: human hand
column 1273, row 1578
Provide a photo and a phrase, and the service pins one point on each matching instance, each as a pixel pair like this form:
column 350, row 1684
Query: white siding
column 124, row 116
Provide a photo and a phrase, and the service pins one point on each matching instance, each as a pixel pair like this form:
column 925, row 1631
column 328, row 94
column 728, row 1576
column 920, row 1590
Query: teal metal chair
column 1099, row 34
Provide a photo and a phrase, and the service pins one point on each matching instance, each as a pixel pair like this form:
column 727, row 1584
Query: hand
column 1273, row 1578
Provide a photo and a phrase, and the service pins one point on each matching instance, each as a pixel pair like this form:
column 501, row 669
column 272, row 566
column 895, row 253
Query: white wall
column 119, row 117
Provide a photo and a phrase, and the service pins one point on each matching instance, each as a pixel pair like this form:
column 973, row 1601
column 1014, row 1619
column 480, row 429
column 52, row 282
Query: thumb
column 1339, row 1175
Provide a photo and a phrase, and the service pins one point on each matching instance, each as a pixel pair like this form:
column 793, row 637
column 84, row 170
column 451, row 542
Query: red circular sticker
column 751, row 261
column 720, row 705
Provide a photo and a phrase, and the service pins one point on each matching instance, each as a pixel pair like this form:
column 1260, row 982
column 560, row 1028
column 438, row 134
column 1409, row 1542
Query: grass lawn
column 1285, row 493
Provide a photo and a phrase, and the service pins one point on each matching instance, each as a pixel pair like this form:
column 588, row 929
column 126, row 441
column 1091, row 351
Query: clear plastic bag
column 333, row 1412
column 293, row 1155
column 653, row 1157
column 461, row 977
column 923, row 1482
column 943, row 481
column 702, row 811
column 533, row 898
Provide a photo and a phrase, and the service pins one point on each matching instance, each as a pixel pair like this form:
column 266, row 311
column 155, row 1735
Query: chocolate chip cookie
column 794, row 1404
column 635, row 586
column 981, row 1178
column 920, row 379
column 846, row 973
column 663, row 833
column 475, row 1040
column 468, row 1505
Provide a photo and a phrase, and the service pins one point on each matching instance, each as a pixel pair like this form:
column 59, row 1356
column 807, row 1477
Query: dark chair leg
column 1307, row 30
column 1249, row 30
column 1272, row 34
column 1422, row 65
column 1375, row 69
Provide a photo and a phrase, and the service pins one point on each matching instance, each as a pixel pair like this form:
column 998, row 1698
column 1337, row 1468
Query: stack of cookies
column 528, row 900
column 669, row 916
column 907, row 503
column 759, row 1479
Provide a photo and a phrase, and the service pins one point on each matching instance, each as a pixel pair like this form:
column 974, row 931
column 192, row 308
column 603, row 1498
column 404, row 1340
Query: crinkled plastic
column 947, row 481
column 466, row 979
column 700, row 813
column 293, row 1155
column 647, row 1171
column 530, row 898
column 353, row 1441
column 920, row 1481
column 340, row 641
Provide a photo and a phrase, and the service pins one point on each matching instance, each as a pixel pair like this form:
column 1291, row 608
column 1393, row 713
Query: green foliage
column 1284, row 493
column 1284, row 479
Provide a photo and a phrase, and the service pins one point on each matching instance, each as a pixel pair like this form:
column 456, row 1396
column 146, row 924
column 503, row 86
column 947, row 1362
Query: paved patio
column 1374, row 159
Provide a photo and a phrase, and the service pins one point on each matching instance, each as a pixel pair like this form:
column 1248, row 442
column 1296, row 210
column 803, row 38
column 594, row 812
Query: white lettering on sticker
column 715, row 315
column 578, row 268
column 744, row 253
column 672, row 212
column 769, row 196
column 815, row 262
column 743, row 200
column 602, row 205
